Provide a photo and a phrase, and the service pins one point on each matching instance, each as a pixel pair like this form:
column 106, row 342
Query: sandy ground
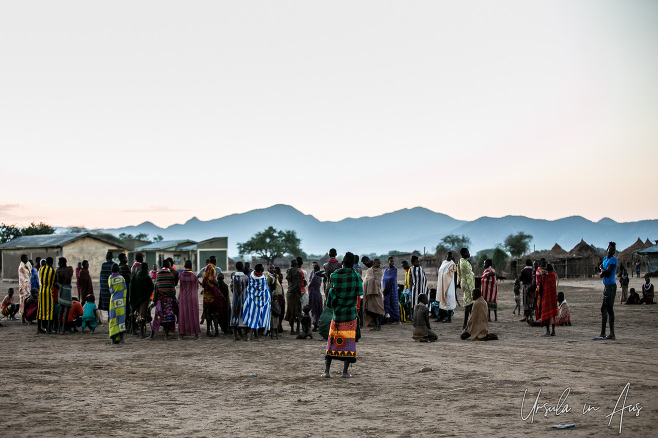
column 82, row 386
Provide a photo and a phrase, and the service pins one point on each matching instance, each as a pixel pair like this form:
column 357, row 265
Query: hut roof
column 556, row 251
column 584, row 250
column 637, row 246
column 54, row 240
column 648, row 243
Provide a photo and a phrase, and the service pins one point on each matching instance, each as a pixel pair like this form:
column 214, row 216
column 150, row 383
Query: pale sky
column 113, row 113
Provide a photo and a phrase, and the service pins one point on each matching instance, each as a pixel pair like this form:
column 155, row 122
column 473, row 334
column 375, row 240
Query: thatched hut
column 583, row 261
column 629, row 257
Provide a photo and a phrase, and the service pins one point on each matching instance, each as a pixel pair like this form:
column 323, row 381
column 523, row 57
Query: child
column 8, row 308
column 276, row 312
column 90, row 315
column 517, row 296
column 422, row 330
column 306, row 323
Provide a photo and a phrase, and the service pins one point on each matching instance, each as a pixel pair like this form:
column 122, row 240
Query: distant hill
column 403, row 230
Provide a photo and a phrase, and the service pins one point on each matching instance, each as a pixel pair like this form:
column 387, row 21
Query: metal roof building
column 75, row 247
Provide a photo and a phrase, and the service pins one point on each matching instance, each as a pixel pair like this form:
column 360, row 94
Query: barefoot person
column 8, row 308
column 390, row 291
column 466, row 280
column 294, row 296
column 490, row 288
column 24, row 283
column 141, row 288
column 257, row 301
column 373, row 302
column 342, row 299
column 608, row 271
column 86, row 287
column 239, row 282
column 188, row 303
column 116, row 316
column 647, row 291
column 527, row 277
column 164, row 298
column 547, row 293
column 46, row 308
column 445, row 286
column 64, row 278
column 418, row 280
column 564, row 313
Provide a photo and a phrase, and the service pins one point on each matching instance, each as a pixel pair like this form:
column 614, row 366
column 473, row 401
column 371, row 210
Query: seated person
column 306, row 323
column 75, row 316
column 564, row 313
column 633, row 297
column 647, row 291
column 30, row 307
column 8, row 308
column 477, row 327
column 421, row 316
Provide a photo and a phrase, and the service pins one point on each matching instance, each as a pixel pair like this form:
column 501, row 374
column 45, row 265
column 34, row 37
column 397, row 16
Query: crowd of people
column 337, row 299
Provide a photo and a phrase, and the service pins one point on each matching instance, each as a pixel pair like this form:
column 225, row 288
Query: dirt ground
column 82, row 386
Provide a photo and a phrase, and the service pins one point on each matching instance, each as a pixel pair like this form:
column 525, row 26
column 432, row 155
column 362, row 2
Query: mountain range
column 403, row 230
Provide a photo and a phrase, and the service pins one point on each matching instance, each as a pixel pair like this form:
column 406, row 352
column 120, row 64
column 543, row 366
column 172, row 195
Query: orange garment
column 75, row 311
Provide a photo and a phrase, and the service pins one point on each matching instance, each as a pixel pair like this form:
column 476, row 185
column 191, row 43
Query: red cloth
column 75, row 311
column 489, row 286
column 547, row 289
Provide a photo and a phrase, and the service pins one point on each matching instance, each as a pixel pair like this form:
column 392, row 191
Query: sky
column 115, row 113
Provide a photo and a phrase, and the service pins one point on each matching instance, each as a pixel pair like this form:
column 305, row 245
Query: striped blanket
column 257, row 301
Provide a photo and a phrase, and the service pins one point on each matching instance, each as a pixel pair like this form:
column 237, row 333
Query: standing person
column 637, row 268
column 116, row 315
column 608, row 274
column 141, row 289
column 64, row 276
column 547, row 290
column 214, row 301
column 38, row 265
column 405, row 298
column 528, row 292
column 239, row 283
column 293, row 296
column 137, row 265
column 256, row 312
column 24, row 283
column 77, row 280
column 623, row 283
column 357, row 266
column 276, row 290
column 34, row 278
column 418, row 281
column 490, row 288
column 304, row 298
column 164, row 298
column 106, row 271
column 46, row 301
column 153, row 273
column 373, row 302
column 86, row 287
column 329, row 268
column 541, row 270
column 466, row 280
column 315, row 295
column 188, row 303
column 390, row 292
column 647, row 291
column 125, row 271
column 342, row 299
column 445, row 286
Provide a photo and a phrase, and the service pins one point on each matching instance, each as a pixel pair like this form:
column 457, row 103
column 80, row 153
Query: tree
column 271, row 244
column 124, row 236
column 517, row 244
column 9, row 232
column 37, row 229
column 499, row 259
column 452, row 242
column 142, row 236
column 158, row 238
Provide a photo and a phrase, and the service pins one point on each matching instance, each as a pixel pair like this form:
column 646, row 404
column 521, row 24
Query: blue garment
column 34, row 279
column 256, row 306
column 390, row 289
column 89, row 315
column 610, row 279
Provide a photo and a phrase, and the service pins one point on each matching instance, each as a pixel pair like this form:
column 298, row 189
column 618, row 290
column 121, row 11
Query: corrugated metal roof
column 50, row 240
column 164, row 245
column 189, row 247
column 650, row 250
